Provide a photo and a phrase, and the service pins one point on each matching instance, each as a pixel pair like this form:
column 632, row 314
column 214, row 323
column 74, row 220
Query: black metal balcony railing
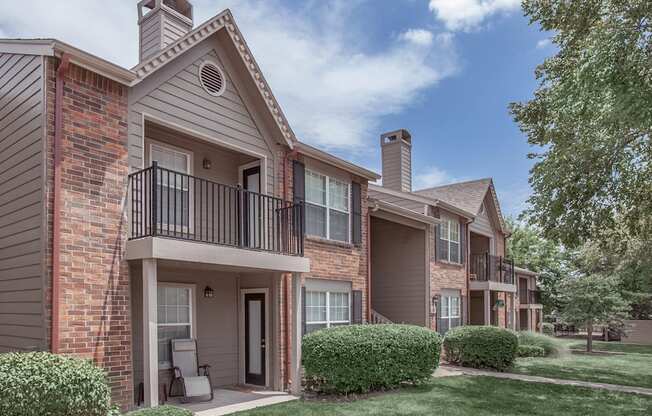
column 534, row 297
column 165, row 203
column 487, row 267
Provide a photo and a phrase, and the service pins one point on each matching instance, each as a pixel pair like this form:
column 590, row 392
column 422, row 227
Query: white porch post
column 296, row 333
column 150, row 335
column 487, row 307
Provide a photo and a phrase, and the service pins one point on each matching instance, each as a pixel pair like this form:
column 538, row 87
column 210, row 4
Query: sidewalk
column 448, row 370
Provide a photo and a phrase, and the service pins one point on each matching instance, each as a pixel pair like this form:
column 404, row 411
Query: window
column 326, row 309
column 175, row 316
column 450, row 312
column 173, row 188
column 449, row 240
column 327, row 207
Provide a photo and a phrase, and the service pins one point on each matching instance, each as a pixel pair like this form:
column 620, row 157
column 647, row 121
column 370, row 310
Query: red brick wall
column 328, row 259
column 94, row 314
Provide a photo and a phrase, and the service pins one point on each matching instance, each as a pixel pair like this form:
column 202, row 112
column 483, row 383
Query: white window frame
column 192, row 315
column 191, row 204
column 328, row 208
column 448, row 314
column 328, row 320
column 447, row 239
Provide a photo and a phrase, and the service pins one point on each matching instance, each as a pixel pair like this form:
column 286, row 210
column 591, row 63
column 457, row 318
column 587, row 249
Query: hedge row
column 363, row 358
column 481, row 347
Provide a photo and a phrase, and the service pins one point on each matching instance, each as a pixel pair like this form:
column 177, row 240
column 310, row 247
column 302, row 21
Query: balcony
column 486, row 267
column 531, row 297
column 174, row 205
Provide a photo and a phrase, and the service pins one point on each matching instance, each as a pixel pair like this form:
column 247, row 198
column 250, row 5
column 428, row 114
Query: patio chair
column 194, row 379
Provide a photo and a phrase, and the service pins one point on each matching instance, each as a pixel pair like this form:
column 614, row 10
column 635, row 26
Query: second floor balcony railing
column 486, row 267
column 166, row 203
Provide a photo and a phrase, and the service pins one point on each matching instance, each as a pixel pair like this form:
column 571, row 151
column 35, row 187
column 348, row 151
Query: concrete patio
column 234, row 399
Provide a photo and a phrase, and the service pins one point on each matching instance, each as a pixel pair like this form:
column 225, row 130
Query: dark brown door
column 255, row 338
column 252, row 207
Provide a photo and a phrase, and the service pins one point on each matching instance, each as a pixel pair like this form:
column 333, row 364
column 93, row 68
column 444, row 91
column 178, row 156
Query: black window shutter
column 298, row 181
column 463, row 309
column 462, row 242
column 438, row 313
column 356, row 203
column 357, row 307
column 303, row 311
column 437, row 242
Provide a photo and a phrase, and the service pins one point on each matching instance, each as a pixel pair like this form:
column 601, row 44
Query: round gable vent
column 211, row 78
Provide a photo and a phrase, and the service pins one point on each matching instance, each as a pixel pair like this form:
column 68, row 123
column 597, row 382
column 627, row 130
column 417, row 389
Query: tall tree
column 591, row 300
column 531, row 250
column 591, row 119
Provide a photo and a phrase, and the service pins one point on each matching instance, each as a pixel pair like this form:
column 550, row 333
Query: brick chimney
column 396, row 149
column 161, row 23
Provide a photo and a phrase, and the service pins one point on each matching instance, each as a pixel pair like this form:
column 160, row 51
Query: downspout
column 467, row 305
column 369, row 211
column 287, row 282
column 56, row 205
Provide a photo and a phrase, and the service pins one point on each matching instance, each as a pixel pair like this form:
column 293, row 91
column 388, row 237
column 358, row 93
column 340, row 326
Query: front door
column 252, row 207
column 254, row 309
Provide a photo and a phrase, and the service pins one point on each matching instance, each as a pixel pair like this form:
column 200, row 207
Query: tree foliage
column 531, row 250
column 591, row 300
column 591, row 119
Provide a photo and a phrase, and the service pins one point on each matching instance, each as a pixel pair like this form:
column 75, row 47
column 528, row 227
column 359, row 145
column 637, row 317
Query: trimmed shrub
column 481, row 347
column 40, row 383
column 530, row 351
column 552, row 346
column 363, row 358
column 161, row 411
column 547, row 328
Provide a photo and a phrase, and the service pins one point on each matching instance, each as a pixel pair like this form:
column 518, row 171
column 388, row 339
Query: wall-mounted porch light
column 208, row 292
column 206, row 163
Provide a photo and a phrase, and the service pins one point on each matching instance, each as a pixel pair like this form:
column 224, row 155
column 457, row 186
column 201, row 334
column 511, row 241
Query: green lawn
column 612, row 347
column 625, row 369
column 468, row 395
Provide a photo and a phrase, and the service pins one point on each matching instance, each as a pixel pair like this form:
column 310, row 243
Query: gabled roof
column 467, row 195
column 223, row 20
column 423, row 199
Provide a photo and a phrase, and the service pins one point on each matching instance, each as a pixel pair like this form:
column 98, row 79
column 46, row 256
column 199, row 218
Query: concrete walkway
column 448, row 370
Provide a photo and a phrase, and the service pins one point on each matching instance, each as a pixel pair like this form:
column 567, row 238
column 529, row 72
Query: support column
column 296, row 333
column 150, row 333
column 487, row 307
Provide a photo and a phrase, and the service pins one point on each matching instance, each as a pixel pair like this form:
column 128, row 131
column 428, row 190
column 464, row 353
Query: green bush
column 481, row 347
column 553, row 347
column 161, row 411
column 530, row 351
column 363, row 358
column 547, row 328
column 40, row 383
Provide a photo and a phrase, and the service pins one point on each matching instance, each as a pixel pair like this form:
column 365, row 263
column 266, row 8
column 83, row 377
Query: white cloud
column 432, row 176
column 418, row 36
column 469, row 14
column 543, row 43
column 332, row 89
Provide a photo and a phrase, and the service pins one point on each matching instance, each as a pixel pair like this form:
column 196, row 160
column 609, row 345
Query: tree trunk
column 589, row 337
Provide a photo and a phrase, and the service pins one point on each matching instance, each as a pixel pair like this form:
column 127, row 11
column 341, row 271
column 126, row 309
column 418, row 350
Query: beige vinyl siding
column 174, row 94
column 150, row 36
column 398, row 281
column 217, row 319
column 173, row 30
column 21, row 202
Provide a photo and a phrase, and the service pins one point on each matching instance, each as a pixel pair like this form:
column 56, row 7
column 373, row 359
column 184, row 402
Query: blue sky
column 347, row 70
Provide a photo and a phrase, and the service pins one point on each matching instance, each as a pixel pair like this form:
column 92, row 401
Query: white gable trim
column 223, row 20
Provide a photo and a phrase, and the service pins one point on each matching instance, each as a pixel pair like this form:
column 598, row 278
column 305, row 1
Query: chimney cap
column 183, row 7
column 394, row 136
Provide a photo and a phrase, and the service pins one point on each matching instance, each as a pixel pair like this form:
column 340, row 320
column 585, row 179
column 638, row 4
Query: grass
column 625, row 369
column 478, row 396
column 612, row 347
